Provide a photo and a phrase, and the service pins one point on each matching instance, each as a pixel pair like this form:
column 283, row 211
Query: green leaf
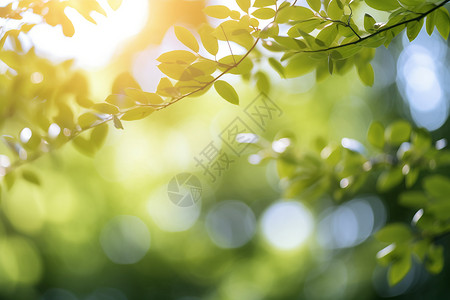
column 435, row 259
column 217, row 11
column 398, row 132
column 412, row 177
column 300, row 64
column 300, row 13
column 437, row 186
column 385, row 5
column 411, row 2
column 413, row 29
column 394, row 233
column 366, row 74
column 137, row 113
column 226, row 91
column 369, row 23
column 264, row 13
column 262, row 82
column 187, row 38
column 375, row 135
column 277, row 66
column 314, row 4
column 244, row 4
column 244, row 66
column 334, row 10
column 413, row 199
column 421, row 140
column 399, row 269
column 328, row 34
column 442, row 20
column 430, row 23
column 389, row 179
column 31, row 176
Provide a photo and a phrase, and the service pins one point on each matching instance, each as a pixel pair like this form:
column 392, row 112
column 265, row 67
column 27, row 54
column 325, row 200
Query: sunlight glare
column 92, row 45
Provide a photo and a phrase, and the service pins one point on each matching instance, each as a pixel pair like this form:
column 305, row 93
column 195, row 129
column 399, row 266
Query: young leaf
column 209, row 41
column 375, row 135
column 177, row 56
column 385, row 5
column 117, row 122
column 244, row 4
column 366, row 74
column 106, row 108
column 389, row 179
column 399, row 269
column 413, row 199
column 277, row 66
column 437, row 186
column 398, row 132
column 31, row 176
column 394, row 233
column 137, row 113
column 98, row 135
column 115, row 4
column 442, row 20
column 187, row 38
column 369, row 23
column 413, row 29
column 217, row 11
column 264, row 13
column 435, row 259
column 262, row 82
column 314, row 4
column 226, row 91
column 264, row 3
column 86, row 120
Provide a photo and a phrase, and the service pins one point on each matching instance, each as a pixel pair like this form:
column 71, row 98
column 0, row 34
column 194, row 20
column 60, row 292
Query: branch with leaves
column 323, row 37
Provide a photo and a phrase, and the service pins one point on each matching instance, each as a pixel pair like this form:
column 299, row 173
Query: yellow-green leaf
column 177, row 56
column 187, row 38
column 314, row 4
column 137, row 113
column 115, row 4
column 375, row 135
column 244, row 4
column 264, row 13
column 86, row 120
column 366, row 74
column 399, row 269
column 226, row 91
column 106, row 108
column 217, row 11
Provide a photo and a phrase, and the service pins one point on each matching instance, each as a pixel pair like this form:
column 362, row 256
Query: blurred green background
column 104, row 227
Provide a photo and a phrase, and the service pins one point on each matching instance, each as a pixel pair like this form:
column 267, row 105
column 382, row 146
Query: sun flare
column 92, row 45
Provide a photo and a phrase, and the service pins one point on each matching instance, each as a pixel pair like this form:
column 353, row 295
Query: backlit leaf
column 217, row 11
column 375, row 135
column 226, row 91
column 187, row 38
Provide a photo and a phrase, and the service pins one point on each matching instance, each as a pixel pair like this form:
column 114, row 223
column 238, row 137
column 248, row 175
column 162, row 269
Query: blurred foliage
column 46, row 105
